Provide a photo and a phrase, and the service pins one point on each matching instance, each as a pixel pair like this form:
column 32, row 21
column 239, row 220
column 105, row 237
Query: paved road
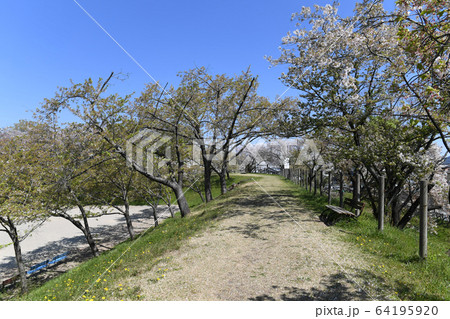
column 57, row 235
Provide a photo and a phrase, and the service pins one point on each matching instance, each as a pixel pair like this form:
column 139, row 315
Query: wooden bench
column 332, row 214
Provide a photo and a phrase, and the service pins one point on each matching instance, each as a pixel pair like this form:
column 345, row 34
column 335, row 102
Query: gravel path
column 264, row 247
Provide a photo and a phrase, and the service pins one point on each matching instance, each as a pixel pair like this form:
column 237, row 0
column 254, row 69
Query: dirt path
column 265, row 247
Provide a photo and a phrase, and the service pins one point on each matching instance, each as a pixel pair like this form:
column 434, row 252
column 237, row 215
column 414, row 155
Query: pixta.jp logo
column 141, row 149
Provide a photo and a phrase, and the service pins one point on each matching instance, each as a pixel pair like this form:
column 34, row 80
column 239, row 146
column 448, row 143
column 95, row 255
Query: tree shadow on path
column 335, row 287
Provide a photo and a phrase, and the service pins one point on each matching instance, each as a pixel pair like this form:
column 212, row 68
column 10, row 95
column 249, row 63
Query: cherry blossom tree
column 112, row 187
column 21, row 188
column 424, row 66
column 218, row 113
column 116, row 121
column 342, row 68
column 73, row 152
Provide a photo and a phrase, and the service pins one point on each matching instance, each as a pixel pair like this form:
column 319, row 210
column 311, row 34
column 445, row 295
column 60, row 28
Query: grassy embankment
column 103, row 278
column 394, row 253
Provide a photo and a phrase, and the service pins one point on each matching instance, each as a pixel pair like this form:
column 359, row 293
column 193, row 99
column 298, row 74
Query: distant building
column 446, row 166
column 447, row 162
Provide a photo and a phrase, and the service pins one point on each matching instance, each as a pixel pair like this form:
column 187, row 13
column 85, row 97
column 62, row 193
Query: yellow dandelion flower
column 106, row 288
column 103, row 298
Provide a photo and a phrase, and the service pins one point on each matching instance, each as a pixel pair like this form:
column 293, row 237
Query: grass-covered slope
column 395, row 259
column 101, row 278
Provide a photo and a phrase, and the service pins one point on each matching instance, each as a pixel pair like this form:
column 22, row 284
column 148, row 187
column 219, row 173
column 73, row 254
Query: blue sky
column 46, row 43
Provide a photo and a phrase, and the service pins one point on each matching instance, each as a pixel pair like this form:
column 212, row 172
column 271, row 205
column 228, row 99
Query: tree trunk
column 155, row 216
column 223, row 181
column 171, row 210
column 19, row 260
column 395, row 212
column 315, row 183
column 87, row 232
column 310, row 180
column 126, row 214
column 182, row 202
column 200, row 193
column 86, row 229
column 208, row 170
column 412, row 209
column 321, row 183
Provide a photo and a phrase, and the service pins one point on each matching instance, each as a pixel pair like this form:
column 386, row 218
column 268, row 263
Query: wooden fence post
column 310, row 180
column 321, row 183
column 329, row 187
column 315, row 183
column 341, row 189
column 381, row 203
column 423, row 219
column 305, row 176
column 300, row 177
column 357, row 192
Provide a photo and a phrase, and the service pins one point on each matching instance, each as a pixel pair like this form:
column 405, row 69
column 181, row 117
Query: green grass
column 193, row 197
column 105, row 277
column 395, row 262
